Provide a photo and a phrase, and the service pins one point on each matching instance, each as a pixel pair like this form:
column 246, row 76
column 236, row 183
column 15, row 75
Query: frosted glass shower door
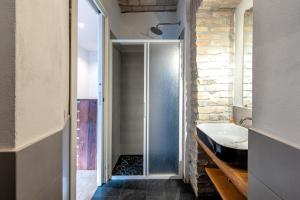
column 163, row 101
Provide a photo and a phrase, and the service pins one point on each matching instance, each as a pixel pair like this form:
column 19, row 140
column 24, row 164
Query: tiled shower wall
column 131, row 103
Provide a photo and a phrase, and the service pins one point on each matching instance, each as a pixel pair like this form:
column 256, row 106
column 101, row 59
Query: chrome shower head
column 156, row 29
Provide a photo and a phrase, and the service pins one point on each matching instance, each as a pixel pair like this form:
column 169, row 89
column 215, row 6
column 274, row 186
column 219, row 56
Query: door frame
column 146, row 175
column 101, row 174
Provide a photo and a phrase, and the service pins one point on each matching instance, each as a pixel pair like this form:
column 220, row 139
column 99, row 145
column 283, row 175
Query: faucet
column 244, row 119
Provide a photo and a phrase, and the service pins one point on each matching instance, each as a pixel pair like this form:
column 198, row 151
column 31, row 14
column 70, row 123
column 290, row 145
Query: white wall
column 82, row 73
column 42, row 68
column 87, row 74
column 276, row 70
column 239, row 50
column 93, row 64
column 183, row 15
column 137, row 25
column 114, row 12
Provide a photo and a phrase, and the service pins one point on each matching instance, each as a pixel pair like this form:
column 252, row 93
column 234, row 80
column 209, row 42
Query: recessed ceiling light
column 80, row 25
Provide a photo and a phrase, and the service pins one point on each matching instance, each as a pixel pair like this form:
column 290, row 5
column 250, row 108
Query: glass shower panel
column 164, row 63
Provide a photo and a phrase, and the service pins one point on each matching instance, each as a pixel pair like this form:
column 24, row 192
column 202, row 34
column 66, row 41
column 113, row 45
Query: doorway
column 146, row 92
column 89, row 100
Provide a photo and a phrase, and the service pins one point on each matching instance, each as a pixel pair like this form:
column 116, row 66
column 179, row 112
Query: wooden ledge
column 238, row 177
column 225, row 188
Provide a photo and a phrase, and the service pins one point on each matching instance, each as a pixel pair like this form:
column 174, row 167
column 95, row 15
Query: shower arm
column 163, row 24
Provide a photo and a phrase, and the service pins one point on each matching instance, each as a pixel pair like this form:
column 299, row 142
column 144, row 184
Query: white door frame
column 73, row 95
column 146, row 109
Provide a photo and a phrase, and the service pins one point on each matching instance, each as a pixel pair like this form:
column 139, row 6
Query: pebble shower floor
column 128, row 165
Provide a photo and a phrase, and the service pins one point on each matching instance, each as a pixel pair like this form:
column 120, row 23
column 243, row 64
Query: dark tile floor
column 145, row 190
column 129, row 165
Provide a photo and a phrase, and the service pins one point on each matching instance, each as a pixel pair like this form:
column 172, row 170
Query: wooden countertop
column 238, row 177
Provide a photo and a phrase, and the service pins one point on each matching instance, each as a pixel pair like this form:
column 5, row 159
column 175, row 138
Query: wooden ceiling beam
column 132, row 6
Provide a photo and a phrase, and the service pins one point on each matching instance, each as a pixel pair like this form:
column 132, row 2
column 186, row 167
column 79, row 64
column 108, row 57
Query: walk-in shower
column 128, row 109
column 145, row 108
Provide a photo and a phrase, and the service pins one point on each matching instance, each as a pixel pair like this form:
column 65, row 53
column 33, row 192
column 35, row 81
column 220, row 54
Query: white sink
column 227, row 134
column 229, row 142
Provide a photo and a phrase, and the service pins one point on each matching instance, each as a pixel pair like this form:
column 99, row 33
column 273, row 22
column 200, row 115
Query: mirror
column 247, row 65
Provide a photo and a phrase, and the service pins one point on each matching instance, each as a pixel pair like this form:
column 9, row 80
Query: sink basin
column 228, row 141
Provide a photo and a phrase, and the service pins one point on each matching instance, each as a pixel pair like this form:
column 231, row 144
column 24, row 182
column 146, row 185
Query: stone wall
column 247, row 68
column 192, row 145
column 199, row 180
column 212, row 57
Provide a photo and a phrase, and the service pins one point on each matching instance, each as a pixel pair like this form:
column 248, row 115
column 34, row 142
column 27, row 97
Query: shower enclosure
column 146, row 104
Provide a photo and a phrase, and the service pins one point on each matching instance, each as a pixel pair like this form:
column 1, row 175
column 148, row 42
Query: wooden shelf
column 238, row 177
column 225, row 188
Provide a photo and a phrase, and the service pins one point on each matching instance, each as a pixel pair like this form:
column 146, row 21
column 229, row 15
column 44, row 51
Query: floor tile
column 145, row 190
column 117, row 184
column 155, row 198
column 133, row 195
column 105, row 198
column 135, row 184
column 107, row 192
column 86, row 184
column 187, row 196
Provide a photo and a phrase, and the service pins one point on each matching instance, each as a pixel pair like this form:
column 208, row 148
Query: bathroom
column 150, row 99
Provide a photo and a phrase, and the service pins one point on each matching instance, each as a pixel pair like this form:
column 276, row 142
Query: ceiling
column 132, row 6
column 88, row 26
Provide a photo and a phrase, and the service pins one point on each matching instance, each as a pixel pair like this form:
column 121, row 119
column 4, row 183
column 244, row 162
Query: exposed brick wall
column 248, row 46
column 212, row 53
column 213, row 92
